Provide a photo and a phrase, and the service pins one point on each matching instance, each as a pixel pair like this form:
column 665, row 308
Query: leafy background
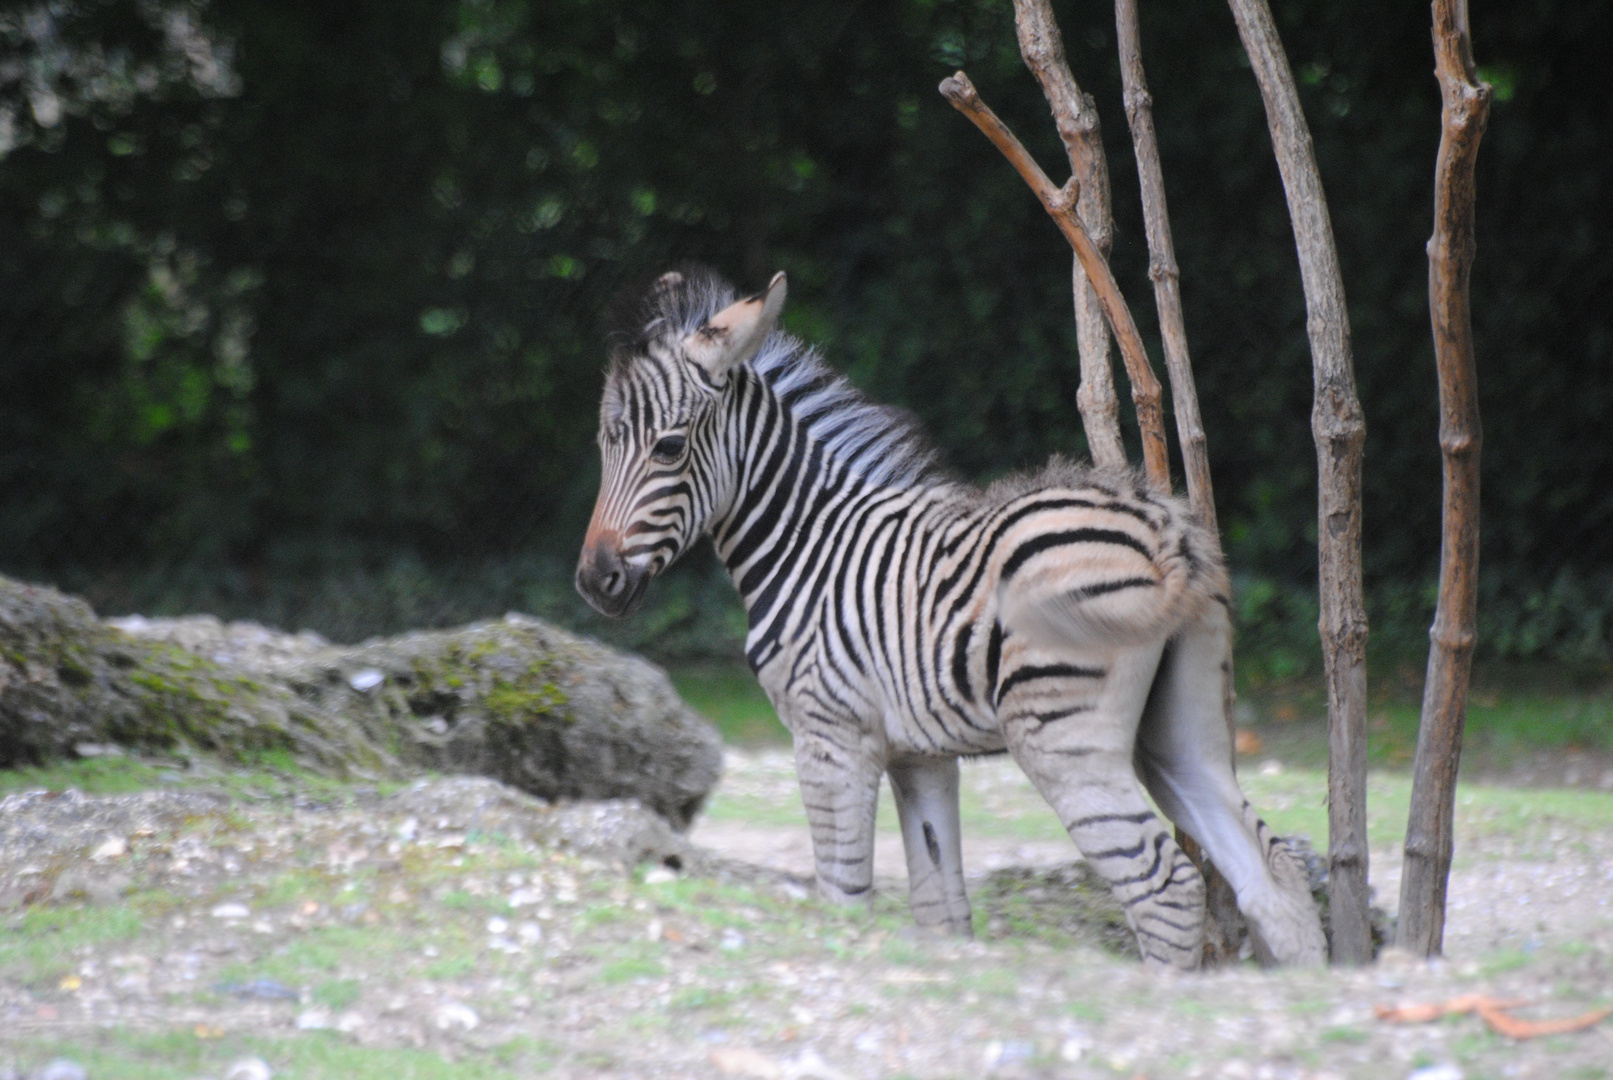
column 302, row 304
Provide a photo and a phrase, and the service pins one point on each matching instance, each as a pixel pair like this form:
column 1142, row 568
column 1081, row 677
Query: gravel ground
column 462, row 922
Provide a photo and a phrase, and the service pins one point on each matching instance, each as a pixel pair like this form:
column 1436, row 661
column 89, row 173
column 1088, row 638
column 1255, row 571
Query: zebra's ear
column 732, row 336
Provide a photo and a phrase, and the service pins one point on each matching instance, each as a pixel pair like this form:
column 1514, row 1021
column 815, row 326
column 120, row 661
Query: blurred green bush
column 317, row 340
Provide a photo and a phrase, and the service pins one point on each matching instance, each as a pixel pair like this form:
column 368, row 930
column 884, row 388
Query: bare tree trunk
column 1466, row 102
column 1060, row 204
column 1226, row 924
column 1339, row 430
column 1076, row 116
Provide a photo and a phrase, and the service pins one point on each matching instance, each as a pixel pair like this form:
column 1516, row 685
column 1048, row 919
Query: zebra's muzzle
column 608, row 583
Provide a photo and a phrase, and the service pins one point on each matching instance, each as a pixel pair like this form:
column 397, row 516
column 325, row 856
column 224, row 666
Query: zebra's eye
column 669, row 449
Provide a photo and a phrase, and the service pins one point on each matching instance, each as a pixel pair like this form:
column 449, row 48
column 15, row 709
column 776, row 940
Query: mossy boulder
column 71, row 684
column 546, row 711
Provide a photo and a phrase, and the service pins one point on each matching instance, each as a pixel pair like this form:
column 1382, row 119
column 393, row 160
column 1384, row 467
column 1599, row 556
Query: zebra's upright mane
column 881, row 443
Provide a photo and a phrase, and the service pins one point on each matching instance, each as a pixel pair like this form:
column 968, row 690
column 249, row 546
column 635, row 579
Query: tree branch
column 1225, row 921
column 1465, row 110
column 1162, row 268
column 1059, row 204
column 1339, row 430
column 1076, row 117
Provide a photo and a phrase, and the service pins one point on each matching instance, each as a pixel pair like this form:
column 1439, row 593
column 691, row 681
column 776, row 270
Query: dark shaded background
column 320, row 343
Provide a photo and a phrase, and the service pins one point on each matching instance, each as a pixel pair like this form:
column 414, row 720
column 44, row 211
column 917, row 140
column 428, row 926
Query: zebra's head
column 665, row 474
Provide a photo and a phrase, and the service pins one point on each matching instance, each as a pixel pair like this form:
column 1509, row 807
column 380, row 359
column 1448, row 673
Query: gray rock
column 613, row 830
column 549, row 712
column 543, row 710
column 95, row 884
column 69, row 680
column 62, row 1069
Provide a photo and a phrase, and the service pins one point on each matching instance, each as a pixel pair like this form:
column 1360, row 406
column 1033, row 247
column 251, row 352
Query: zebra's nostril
column 613, row 583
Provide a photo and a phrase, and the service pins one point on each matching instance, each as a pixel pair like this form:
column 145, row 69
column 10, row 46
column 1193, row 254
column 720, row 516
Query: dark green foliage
column 327, row 351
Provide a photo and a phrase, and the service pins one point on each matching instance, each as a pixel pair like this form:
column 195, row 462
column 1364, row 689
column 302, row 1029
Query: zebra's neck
column 798, row 474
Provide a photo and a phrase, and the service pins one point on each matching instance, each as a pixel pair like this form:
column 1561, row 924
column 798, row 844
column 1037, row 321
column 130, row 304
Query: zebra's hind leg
column 840, row 789
column 1184, row 752
column 1071, row 724
column 926, row 794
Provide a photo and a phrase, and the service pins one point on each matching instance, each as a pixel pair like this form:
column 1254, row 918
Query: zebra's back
column 920, row 605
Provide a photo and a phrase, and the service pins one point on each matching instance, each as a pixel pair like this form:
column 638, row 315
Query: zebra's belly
column 943, row 733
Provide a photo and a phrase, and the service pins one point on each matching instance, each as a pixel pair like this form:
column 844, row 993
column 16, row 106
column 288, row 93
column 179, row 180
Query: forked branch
column 1060, row 204
column 1466, row 107
column 1076, row 116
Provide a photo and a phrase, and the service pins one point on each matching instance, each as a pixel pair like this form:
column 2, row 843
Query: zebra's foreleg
column 1071, row 724
column 926, row 795
column 1185, row 754
column 840, row 789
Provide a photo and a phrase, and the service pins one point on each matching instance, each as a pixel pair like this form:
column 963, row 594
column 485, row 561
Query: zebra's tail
column 1109, row 577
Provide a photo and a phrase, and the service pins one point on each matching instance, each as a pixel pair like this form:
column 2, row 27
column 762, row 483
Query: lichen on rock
column 69, row 680
column 554, row 714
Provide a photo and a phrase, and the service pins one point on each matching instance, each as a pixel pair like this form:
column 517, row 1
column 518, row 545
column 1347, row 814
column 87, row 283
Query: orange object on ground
column 1493, row 1011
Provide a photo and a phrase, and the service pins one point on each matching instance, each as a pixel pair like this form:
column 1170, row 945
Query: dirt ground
column 169, row 932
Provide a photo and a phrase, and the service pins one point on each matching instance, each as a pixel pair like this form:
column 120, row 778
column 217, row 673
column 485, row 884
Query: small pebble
column 113, row 847
column 1000, row 1052
column 1445, row 1071
column 496, row 925
column 810, row 1066
column 659, row 875
column 250, row 1068
column 743, row 1061
column 260, row 989
column 231, row 911
column 365, row 680
column 313, row 1020
column 453, row 1014
column 62, row 1069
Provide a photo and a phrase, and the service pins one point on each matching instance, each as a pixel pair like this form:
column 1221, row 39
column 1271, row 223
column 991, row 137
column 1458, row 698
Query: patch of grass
column 529, row 1053
column 459, row 900
column 93, row 776
column 1347, row 1035
column 453, row 965
column 114, row 1054
column 320, row 953
column 1084, row 1010
column 1513, row 710
column 1294, row 802
column 731, row 698
column 337, row 993
column 596, row 915
column 1501, row 962
column 264, row 774
column 639, row 964
column 699, row 997
column 38, row 948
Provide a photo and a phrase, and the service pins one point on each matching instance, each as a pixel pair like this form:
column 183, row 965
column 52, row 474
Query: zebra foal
column 900, row 619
